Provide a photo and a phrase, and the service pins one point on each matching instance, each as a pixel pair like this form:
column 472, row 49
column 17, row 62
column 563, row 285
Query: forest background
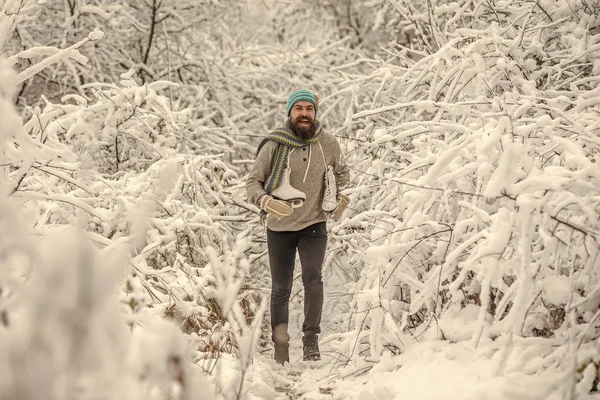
column 472, row 132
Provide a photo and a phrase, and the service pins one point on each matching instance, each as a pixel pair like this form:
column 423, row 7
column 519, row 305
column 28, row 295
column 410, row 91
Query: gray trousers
column 310, row 243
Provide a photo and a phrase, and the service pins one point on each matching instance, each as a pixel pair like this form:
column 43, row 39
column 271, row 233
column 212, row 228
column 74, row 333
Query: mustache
column 304, row 118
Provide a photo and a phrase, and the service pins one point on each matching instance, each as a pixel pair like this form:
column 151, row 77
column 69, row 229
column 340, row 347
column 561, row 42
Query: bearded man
column 297, row 181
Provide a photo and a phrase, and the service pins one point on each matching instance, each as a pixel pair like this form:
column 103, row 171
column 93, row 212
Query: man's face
column 302, row 119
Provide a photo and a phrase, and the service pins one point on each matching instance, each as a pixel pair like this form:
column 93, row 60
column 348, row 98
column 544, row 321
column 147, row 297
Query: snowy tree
column 479, row 192
column 118, row 166
column 470, row 128
column 160, row 40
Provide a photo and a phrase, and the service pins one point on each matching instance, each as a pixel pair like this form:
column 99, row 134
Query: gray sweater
column 307, row 174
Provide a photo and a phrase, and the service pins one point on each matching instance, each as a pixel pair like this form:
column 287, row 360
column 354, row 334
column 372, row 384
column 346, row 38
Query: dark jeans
column 311, row 243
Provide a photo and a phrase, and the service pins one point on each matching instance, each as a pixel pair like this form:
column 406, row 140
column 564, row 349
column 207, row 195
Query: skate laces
column 328, row 187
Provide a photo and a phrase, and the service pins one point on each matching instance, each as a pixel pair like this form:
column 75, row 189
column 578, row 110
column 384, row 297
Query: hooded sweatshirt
column 308, row 166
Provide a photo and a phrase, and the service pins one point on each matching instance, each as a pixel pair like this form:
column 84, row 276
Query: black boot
column 282, row 353
column 310, row 347
column 281, row 342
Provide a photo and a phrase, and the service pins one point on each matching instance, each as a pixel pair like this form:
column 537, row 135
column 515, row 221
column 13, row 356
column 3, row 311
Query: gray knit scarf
column 286, row 139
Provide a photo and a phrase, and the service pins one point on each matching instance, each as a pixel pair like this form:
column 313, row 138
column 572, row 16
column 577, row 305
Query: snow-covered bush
column 477, row 192
column 160, row 40
column 352, row 22
column 117, row 128
column 166, row 207
column 61, row 324
column 156, row 213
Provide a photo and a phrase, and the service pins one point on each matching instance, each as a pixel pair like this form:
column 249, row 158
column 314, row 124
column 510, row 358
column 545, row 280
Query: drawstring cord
column 323, row 154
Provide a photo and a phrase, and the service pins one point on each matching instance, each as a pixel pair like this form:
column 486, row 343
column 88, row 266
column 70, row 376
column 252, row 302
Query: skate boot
column 285, row 191
column 330, row 195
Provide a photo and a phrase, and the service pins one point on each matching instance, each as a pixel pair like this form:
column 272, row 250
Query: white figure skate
column 330, row 195
column 285, row 191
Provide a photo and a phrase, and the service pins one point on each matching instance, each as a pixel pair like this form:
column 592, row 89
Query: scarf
column 286, row 139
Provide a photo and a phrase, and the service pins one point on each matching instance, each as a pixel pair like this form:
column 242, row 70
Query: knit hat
column 301, row 95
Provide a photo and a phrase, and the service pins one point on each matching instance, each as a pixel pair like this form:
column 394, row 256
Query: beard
column 303, row 132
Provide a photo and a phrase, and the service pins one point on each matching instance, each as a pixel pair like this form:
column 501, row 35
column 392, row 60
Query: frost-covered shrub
column 173, row 214
column 61, row 327
column 115, row 129
column 160, row 213
column 480, row 189
column 165, row 216
column 161, row 40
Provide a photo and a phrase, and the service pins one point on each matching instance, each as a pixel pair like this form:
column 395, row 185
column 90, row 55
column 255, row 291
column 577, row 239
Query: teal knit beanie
column 301, row 95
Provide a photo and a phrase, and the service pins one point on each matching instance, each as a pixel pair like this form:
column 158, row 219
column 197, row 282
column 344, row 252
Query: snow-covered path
column 429, row 370
column 299, row 379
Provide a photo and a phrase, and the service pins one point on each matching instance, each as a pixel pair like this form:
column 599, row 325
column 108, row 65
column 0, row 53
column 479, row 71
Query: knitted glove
column 279, row 208
column 342, row 203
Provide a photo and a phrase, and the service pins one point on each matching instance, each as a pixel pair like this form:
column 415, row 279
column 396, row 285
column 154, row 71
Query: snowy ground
column 429, row 370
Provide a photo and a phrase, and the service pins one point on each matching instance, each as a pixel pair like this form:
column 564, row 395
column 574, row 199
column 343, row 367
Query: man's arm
column 259, row 174
column 254, row 184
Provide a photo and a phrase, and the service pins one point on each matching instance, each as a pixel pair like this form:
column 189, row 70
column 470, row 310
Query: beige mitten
column 342, row 203
column 279, row 208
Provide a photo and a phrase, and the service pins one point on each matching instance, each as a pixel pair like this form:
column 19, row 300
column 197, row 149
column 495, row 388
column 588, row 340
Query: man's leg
column 282, row 255
column 311, row 248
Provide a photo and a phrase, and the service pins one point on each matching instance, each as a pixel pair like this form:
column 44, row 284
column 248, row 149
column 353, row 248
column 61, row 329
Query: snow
column 426, row 371
column 434, row 367
column 465, row 268
column 557, row 290
column 63, row 54
column 442, row 370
